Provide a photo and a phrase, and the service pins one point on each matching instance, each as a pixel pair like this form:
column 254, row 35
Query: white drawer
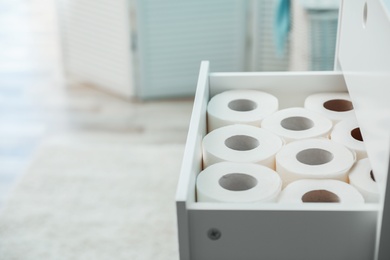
column 306, row 231
column 268, row 231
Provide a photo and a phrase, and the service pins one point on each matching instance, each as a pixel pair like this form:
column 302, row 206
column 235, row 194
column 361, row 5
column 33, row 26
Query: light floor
column 35, row 102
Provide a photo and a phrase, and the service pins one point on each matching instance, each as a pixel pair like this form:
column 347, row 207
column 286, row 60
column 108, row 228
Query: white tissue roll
column 241, row 143
column 363, row 179
column 297, row 123
column 334, row 105
column 347, row 132
column 240, row 107
column 237, row 182
column 325, row 191
column 314, row 159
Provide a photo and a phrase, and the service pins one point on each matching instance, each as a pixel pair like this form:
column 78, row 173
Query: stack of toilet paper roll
column 254, row 152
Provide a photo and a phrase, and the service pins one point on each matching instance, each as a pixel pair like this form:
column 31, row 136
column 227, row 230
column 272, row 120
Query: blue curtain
column 282, row 25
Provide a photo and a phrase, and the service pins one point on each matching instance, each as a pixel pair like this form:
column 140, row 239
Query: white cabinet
column 306, row 231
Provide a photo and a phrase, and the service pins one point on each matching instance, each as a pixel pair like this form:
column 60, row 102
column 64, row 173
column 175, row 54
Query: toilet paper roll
column 297, row 123
column 347, row 132
column 363, row 179
column 241, row 143
column 309, row 191
column 334, row 105
column 237, row 182
column 240, row 107
column 314, row 159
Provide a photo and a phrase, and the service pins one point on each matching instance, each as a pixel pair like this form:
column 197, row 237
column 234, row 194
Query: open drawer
column 296, row 231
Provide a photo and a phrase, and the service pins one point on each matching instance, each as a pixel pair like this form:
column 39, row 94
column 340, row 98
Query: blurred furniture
column 152, row 49
column 313, row 34
column 148, row 48
column 173, row 37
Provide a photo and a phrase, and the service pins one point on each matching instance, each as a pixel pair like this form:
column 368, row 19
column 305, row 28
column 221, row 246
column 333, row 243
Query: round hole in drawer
column 365, row 15
column 320, row 196
column 214, row 233
column 242, row 105
column 237, row 182
column 297, row 123
column 338, row 105
column 314, row 156
column 356, row 134
column 242, row 142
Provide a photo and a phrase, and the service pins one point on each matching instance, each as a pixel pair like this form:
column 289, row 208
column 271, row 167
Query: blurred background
column 151, row 49
column 95, row 102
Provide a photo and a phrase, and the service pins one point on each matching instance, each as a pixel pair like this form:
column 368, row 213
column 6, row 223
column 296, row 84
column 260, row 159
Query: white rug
column 94, row 201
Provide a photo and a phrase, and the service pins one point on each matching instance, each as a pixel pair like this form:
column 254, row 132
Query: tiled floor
column 35, row 103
